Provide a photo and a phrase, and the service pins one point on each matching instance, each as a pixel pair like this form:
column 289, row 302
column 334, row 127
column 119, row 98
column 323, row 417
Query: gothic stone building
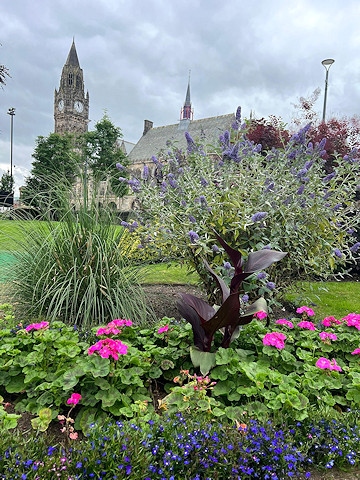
column 71, row 113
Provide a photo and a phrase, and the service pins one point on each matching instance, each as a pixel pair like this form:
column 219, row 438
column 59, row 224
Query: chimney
column 148, row 125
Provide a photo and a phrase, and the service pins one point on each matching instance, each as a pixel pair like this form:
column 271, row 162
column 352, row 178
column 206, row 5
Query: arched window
column 70, row 79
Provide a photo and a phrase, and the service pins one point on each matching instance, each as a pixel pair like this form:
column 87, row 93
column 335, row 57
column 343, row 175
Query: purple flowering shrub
column 283, row 200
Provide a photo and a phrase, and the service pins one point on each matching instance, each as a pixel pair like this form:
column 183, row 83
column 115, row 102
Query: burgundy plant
column 205, row 320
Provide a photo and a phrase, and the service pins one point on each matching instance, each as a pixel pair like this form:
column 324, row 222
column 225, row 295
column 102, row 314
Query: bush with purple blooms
column 283, row 199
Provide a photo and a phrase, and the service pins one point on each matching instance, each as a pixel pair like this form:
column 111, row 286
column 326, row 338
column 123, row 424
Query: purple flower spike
column 193, row 236
column 257, row 217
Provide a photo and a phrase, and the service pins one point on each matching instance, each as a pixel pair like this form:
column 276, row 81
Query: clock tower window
column 70, row 79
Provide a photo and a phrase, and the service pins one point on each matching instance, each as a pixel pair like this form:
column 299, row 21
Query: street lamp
column 327, row 64
column 11, row 112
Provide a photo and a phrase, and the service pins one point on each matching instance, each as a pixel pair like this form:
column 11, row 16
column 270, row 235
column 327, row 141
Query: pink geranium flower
column 120, row 322
column 260, row 315
column 37, row 326
column 326, row 364
column 275, row 339
column 352, row 320
column 163, row 329
column 74, row 399
column 112, row 327
column 306, row 325
column 325, row 336
column 356, row 351
column 330, row 322
column 283, row 321
column 109, row 348
column 309, row 312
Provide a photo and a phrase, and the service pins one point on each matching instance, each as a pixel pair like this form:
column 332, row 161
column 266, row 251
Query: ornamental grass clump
column 77, row 269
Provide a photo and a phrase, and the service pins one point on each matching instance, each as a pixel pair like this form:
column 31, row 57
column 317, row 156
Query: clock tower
column 71, row 105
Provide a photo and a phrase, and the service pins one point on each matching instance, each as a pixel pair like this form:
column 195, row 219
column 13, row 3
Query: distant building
column 155, row 140
column 71, row 114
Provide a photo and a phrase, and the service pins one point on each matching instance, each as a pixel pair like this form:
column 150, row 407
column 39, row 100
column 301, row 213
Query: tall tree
column 56, row 162
column 103, row 152
column 6, row 182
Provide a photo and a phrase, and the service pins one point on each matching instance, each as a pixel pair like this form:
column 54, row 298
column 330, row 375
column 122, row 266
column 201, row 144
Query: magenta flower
column 330, row 322
column 326, row 364
column 120, row 322
column 163, row 329
column 112, row 327
column 323, row 363
column 283, row 321
column 356, row 351
column 275, row 339
column 306, row 325
column 325, row 336
column 335, row 366
column 74, row 399
column 37, row 326
column 309, row 312
column 107, row 331
column 109, row 348
column 352, row 320
column 260, row 315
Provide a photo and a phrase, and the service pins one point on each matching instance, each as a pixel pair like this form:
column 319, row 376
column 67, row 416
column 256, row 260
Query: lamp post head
column 328, row 62
column 11, row 111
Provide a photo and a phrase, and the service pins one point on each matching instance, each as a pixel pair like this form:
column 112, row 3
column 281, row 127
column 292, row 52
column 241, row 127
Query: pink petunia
column 309, row 312
column 356, row 351
column 330, row 322
column 325, row 336
column 283, row 321
column 275, row 339
column 306, row 325
column 37, row 326
column 163, row 329
column 260, row 315
column 74, row 399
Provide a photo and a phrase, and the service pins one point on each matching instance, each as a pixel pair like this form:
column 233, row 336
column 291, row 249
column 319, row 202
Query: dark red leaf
column 234, row 255
column 225, row 291
column 203, row 309
column 262, row 259
column 228, row 314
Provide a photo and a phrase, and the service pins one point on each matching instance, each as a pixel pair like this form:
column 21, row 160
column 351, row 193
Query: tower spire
column 186, row 111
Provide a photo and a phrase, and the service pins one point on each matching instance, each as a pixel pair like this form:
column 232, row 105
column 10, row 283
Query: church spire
column 186, row 111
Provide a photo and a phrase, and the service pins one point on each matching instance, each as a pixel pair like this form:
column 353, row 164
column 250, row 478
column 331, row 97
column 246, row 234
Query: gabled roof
column 156, row 140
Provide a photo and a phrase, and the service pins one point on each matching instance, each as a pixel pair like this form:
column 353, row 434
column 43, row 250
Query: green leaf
column 108, row 397
column 223, row 388
column 102, row 383
column 42, row 422
column 16, row 384
column 98, row 366
column 204, row 360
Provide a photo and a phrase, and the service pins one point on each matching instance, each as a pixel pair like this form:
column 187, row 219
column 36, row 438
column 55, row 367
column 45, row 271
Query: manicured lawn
column 170, row 273
column 328, row 298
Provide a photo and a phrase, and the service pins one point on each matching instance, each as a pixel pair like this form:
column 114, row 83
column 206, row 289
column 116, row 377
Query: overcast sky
column 136, row 56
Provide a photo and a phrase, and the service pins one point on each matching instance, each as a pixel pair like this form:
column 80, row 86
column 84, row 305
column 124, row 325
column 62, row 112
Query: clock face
column 61, row 105
column 79, row 107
